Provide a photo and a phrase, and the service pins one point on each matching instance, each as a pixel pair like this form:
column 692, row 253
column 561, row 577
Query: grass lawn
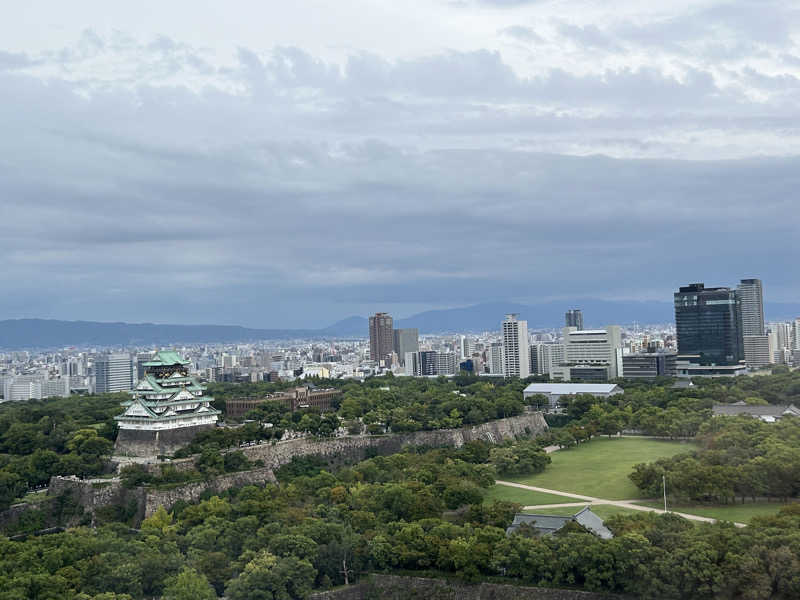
column 600, row 468
column 739, row 513
column 524, row 497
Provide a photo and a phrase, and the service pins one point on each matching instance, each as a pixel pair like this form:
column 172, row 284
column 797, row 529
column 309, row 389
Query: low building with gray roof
column 549, row 524
column 768, row 413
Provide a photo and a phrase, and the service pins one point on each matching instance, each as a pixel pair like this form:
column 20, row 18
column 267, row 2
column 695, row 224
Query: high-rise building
column 516, row 362
column 495, row 358
column 404, row 341
column 795, row 325
column 574, row 318
column 536, row 356
column 421, row 364
column 783, row 335
column 708, row 324
column 446, row 363
column 113, row 373
column 466, row 346
column 751, row 299
column 381, row 337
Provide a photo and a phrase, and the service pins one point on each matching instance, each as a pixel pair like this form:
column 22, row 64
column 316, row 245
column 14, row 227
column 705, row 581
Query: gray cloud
column 523, row 34
column 167, row 186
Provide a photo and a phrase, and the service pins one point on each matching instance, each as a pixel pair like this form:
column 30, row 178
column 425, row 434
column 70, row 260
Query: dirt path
column 592, row 500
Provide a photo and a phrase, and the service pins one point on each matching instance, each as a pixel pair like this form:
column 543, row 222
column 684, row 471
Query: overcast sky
column 287, row 164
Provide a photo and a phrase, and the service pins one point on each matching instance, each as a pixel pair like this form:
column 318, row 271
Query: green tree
column 267, row 577
column 189, row 585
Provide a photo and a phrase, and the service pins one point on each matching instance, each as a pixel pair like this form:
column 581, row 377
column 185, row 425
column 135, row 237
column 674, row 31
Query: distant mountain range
column 46, row 333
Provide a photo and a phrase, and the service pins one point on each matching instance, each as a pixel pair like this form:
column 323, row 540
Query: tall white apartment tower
column 751, row 295
column 754, row 336
column 516, row 349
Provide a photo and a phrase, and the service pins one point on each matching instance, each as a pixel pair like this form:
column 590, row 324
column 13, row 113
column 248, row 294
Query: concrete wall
column 394, row 587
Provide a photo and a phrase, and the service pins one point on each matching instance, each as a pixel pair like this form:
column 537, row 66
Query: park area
column 600, row 469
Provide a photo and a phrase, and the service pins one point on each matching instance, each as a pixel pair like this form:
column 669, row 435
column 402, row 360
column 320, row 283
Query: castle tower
column 166, row 410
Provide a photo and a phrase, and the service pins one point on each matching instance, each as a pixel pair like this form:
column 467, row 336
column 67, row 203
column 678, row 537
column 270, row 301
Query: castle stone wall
column 135, row 442
column 350, row 449
column 394, row 587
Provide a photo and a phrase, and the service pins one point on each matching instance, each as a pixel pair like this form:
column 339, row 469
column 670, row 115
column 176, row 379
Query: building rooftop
column 166, row 358
column 571, row 388
column 547, row 524
column 754, row 410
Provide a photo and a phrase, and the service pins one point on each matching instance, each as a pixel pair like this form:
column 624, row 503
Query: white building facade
column 516, row 360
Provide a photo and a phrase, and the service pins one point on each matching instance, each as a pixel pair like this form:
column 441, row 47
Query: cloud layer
column 150, row 178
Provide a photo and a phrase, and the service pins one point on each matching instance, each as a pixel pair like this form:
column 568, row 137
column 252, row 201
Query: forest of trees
column 415, row 512
column 58, row 436
column 740, row 457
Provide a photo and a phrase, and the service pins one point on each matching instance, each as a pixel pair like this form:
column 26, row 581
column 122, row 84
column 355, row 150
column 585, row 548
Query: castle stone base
column 137, row 442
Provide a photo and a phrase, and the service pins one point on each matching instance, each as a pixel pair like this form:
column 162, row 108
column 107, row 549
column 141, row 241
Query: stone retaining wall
column 350, row 449
column 192, row 492
column 337, row 451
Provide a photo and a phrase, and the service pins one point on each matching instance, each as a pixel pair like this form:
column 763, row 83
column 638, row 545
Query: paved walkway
column 592, row 500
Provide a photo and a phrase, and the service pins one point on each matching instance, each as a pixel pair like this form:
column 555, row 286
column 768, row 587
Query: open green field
column 600, row 468
column 739, row 513
column 524, row 497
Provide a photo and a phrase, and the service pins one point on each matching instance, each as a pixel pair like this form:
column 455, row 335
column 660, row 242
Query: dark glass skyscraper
column 574, row 318
column 381, row 336
column 708, row 322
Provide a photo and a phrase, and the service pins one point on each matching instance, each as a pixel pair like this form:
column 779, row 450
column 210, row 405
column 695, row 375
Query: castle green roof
column 165, row 358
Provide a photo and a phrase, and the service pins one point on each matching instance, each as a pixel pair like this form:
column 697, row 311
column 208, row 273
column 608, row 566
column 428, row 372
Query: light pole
column 664, row 483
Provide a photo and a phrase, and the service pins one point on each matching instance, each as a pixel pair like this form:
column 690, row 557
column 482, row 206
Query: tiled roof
column 547, row 524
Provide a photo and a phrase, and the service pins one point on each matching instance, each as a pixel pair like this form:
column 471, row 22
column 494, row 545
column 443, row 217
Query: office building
column 60, row 387
column 113, row 373
column 446, row 363
column 553, row 355
column 543, row 356
column 649, row 365
column 516, row 362
column 757, row 351
column 405, row 341
column 708, row 324
column 421, row 364
column 381, row 337
column 21, row 388
column 574, row 318
column 590, row 355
